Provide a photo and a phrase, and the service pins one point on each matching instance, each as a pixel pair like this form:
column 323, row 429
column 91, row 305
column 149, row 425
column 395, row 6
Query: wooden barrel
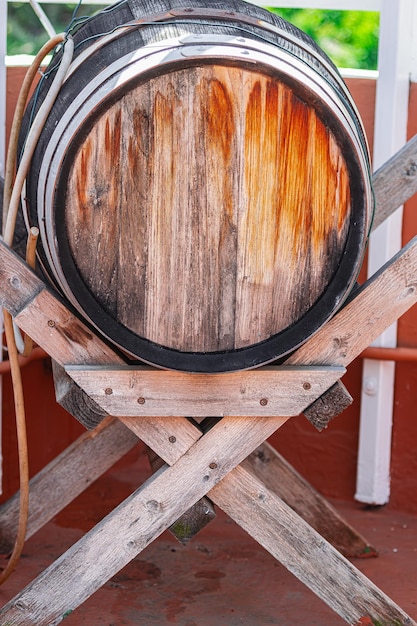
column 202, row 185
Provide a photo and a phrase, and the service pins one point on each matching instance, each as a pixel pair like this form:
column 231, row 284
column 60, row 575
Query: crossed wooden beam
column 229, row 462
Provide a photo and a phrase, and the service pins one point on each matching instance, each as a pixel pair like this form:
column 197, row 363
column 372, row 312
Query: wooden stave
column 252, row 356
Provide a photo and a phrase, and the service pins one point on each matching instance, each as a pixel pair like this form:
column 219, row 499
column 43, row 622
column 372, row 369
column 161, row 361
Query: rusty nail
column 141, row 400
column 213, row 465
column 108, row 391
column 51, row 323
column 263, row 401
column 306, row 386
column 172, row 439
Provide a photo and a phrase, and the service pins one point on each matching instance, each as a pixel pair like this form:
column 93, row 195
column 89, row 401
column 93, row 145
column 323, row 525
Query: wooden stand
column 225, row 458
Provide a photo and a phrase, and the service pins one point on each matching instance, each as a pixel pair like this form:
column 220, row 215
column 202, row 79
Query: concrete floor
column 222, row 577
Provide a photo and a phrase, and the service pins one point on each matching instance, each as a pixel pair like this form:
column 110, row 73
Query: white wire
column 30, row 146
column 33, row 137
column 43, row 18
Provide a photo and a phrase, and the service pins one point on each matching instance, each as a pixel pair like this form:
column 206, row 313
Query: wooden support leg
column 293, row 542
column 74, row 400
column 282, row 479
column 304, row 552
column 96, row 451
column 71, row 472
column 192, row 521
column 66, row 477
column 135, row 523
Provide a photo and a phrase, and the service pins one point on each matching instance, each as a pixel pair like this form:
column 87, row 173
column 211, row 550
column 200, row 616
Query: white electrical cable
column 12, row 207
column 30, row 146
column 43, row 18
column 33, row 137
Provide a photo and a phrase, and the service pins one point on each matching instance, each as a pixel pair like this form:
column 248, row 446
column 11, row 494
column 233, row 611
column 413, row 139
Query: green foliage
column 26, row 35
column 350, row 38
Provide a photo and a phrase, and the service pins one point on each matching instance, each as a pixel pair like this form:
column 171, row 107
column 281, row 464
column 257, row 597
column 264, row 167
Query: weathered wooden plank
column 282, row 479
column 172, row 436
column 192, row 521
column 136, row 522
column 395, row 181
column 65, row 337
column 303, row 551
column 145, row 391
column 42, row 315
column 366, row 315
column 330, row 404
column 75, row 400
column 19, row 284
column 68, row 475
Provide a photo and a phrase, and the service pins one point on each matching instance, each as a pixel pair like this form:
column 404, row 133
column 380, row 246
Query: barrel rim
column 254, row 355
column 171, row 52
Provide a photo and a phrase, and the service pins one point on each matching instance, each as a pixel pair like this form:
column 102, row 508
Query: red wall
column 327, row 459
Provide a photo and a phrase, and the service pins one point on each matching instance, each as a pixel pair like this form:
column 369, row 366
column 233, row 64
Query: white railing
column 397, row 64
column 336, row 5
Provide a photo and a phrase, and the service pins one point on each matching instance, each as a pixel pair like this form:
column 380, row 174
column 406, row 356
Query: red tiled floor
column 222, row 577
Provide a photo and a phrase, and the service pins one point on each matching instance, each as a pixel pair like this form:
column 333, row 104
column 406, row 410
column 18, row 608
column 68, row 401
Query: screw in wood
column 108, row 391
column 15, row 282
column 213, row 465
column 306, row 386
column 141, row 400
column 22, row 606
column 263, row 401
column 153, row 505
column 51, row 323
column 172, row 439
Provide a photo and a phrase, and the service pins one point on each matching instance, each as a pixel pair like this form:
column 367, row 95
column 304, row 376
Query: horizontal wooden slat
column 147, row 391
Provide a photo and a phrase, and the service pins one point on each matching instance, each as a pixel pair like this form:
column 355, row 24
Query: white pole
column 374, row 456
column 3, row 43
column 339, row 5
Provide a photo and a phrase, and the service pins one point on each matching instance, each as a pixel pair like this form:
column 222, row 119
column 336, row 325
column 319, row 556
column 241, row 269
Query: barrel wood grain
column 227, row 220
